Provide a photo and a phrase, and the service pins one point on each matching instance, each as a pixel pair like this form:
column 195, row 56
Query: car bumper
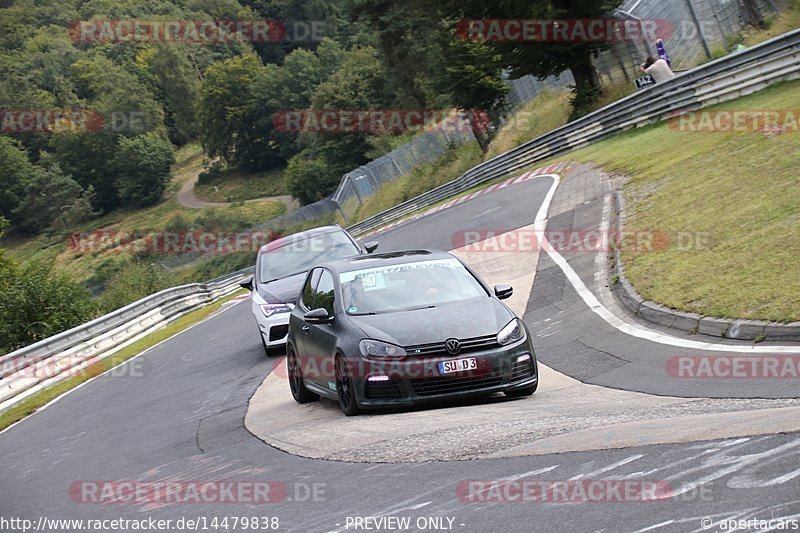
column 417, row 380
column 275, row 329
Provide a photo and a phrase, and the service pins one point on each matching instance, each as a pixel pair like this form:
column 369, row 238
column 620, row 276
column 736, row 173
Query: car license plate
column 458, row 365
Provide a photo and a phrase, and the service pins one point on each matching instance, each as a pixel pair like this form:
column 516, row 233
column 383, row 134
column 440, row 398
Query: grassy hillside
column 166, row 215
column 740, row 189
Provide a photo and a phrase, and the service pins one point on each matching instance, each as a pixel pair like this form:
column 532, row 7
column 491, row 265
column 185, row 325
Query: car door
column 321, row 338
column 304, row 304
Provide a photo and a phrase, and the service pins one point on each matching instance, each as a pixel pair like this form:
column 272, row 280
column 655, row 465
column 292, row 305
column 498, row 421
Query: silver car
column 281, row 268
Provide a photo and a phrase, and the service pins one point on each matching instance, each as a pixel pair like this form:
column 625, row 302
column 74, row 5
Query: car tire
column 520, row 393
column 299, row 391
column 345, row 389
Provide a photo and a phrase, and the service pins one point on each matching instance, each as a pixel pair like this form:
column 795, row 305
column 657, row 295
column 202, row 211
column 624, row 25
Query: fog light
column 523, row 357
column 378, row 378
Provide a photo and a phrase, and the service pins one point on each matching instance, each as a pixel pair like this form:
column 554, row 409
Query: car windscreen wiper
column 418, row 308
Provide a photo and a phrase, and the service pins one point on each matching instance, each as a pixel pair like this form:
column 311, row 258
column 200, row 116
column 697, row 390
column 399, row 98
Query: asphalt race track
column 180, row 417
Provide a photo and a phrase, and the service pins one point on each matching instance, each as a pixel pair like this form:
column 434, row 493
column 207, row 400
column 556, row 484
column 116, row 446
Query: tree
column 225, row 95
column 538, row 58
column 287, row 87
column 143, row 167
column 127, row 104
column 16, row 172
column 359, row 84
column 473, row 78
column 53, row 201
column 411, row 44
column 89, row 159
column 178, row 80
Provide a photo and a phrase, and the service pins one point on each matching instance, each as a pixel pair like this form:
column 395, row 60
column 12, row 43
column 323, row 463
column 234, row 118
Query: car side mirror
column 247, row 284
column 371, row 246
column 503, row 291
column 318, row 316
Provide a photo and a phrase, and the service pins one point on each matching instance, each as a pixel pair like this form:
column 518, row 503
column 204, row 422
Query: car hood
column 461, row 320
column 286, row 290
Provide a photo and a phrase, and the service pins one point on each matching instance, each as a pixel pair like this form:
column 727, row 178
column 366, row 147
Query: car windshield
column 300, row 256
column 405, row 286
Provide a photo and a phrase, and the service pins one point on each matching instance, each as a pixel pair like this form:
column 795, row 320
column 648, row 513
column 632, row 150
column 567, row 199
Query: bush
column 37, row 303
column 215, row 267
column 178, row 224
column 221, row 220
column 214, row 173
column 310, row 179
column 133, row 282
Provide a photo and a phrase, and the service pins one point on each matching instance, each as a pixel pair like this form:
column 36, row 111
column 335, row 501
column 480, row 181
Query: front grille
column 522, row 370
column 444, row 385
column 382, row 390
column 276, row 333
column 474, row 344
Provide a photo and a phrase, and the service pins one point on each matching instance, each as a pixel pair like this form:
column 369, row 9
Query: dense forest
column 153, row 94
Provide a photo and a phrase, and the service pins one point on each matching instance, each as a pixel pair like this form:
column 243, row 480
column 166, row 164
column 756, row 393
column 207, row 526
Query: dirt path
column 187, row 198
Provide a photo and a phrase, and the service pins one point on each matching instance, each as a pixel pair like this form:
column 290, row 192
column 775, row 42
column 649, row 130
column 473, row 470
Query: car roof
column 361, row 262
column 300, row 236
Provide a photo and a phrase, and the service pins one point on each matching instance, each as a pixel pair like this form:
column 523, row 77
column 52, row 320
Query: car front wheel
column 299, row 391
column 345, row 388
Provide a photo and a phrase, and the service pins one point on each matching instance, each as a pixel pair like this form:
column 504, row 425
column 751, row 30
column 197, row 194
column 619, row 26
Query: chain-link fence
column 697, row 29
column 367, row 179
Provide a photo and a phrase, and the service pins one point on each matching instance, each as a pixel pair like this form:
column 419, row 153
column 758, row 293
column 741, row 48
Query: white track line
column 633, row 330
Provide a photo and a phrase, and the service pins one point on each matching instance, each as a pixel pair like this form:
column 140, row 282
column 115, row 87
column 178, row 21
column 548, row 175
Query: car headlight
column 511, row 332
column 371, row 348
column 274, row 309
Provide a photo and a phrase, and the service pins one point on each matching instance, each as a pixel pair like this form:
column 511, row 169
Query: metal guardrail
column 33, row 367
column 729, row 77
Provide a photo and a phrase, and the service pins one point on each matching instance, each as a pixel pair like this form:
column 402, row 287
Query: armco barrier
column 82, row 345
column 724, row 79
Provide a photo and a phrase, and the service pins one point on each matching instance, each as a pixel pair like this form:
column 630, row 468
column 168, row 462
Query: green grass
column 36, row 401
column 742, row 190
column 234, row 186
column 787, row 20
column 548, row 111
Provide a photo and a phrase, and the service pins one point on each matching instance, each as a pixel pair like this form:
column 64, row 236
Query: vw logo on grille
column 452, row 346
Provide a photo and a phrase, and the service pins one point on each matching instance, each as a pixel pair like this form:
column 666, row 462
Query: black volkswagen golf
column 401, row 328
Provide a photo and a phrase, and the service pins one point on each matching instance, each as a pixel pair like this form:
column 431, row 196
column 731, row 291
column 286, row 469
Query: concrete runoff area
column 564, row 415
